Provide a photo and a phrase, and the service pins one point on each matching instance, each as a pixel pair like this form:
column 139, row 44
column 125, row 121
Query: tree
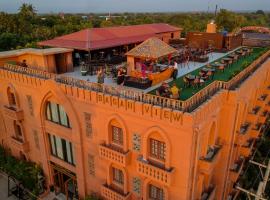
column 8, row 41
column 229, row 21
column 26, row 17
column 260, row 12
column 27, row 11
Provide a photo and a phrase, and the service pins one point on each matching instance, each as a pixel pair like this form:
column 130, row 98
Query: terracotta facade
column 187, row 170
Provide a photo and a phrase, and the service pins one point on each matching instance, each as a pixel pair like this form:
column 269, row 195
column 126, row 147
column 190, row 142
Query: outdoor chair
column 221, row 68
column 186, row 82
column 196, row 83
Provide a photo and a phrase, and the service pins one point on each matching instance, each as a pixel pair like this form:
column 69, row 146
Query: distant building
column 256, row 36
column 62, row 15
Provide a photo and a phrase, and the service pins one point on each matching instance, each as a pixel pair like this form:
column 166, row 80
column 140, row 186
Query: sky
column 96, row 6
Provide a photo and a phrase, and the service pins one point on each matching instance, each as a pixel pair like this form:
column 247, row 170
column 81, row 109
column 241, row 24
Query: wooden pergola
column 151, row 49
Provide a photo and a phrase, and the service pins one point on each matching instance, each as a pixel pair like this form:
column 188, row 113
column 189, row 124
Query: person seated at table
column 163, row 90
column 24, row 64
column 204, row 77
column 208, row 65
column 223, row 63
column 175, row 91
column 201, row 73
column 210, row 74
column 120, row 76
column 196, row 82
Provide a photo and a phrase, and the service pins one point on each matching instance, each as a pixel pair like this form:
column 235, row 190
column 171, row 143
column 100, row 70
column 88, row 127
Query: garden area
column 27, row 173
column 226, row 75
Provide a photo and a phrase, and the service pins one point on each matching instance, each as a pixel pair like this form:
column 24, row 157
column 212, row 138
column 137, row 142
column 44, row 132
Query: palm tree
column 27, row 10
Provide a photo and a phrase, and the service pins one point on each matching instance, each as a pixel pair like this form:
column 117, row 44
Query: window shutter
column 88, row 125
column 36, row 139
column 30, row 104
column 136, row 139
column 91, row 164
column 136, row 185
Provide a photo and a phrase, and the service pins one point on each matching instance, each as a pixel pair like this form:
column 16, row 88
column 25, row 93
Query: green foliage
column 26, row 28
column 229, row 21
column 8, row 41
column 93, row 196
column 26, row 172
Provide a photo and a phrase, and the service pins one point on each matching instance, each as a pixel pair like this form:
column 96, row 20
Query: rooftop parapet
column 181, row 105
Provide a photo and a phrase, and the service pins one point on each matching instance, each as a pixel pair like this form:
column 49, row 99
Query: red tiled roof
column 99, row 38
column 259, row 29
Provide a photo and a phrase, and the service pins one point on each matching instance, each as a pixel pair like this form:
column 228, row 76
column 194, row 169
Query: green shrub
column 24, row 171
column 93, row 196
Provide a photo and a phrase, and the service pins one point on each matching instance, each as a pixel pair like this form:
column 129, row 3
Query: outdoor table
column 239, row 52
column 227, row 59
column 233, row 56
column 207, row 69
column 216, row 64
column 190, row 77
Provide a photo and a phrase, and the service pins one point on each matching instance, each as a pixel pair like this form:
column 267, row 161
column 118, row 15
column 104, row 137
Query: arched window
column 18, row 131
column 116, row 135
column 11, row 98
column 56, row 113
column 117, row 177
column 157, row 149
column 155, row 192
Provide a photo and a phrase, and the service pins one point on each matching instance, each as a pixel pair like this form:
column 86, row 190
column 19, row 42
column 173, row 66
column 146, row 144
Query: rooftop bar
column 187, row 105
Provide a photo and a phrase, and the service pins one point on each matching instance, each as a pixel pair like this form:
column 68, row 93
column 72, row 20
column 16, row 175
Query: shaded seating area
column 151, row 62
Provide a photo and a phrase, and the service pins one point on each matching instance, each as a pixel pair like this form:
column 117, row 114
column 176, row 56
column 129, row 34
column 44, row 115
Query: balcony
column 263, row 97
column 255, row 131
column 13, row 113
column 150, row 170
column 20, row 144
column 246, row 149
column 263, row 116
column 208, row 162
column 236, row 169
column 209, row 194
column 253, row 115
column 109, row 193
column 261, row 100
column 115, row 155
column 242, row 134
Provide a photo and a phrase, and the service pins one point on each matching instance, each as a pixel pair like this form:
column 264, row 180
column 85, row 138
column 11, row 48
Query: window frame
column 157, row 149
column 49, row 114
column 118, row 177
column 18, row 132
column 117, row 138
column 54, row 151
column 155, row 193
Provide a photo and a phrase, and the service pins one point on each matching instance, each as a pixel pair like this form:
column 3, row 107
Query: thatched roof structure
column 152, row 48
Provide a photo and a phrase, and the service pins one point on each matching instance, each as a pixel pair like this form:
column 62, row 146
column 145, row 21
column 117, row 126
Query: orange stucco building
column 128, row 146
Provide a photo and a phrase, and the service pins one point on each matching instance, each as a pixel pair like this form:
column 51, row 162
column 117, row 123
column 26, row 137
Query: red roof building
column 102, row 38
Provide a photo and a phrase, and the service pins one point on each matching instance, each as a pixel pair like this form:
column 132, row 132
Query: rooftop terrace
column 191, row 98
column 224, row 76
